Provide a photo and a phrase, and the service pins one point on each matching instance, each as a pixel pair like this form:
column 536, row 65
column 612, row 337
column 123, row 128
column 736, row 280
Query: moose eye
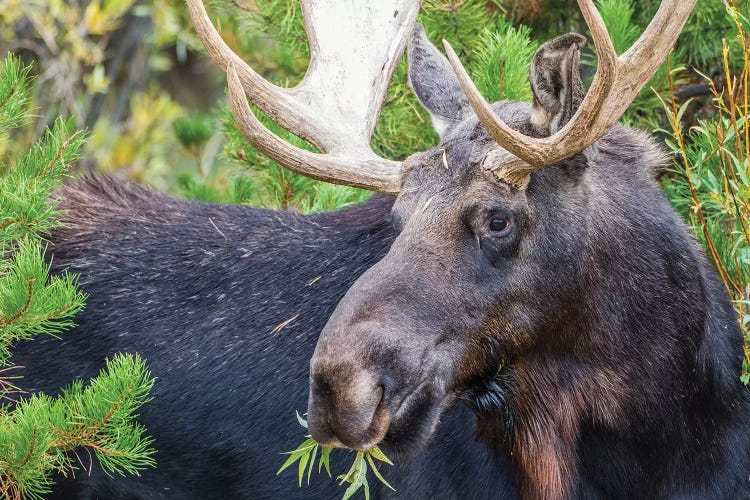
column 500, row 225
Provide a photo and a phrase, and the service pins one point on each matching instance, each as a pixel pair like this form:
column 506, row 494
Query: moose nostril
column 351, row 412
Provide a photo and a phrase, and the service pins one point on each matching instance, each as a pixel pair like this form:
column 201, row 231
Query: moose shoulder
column 529, row 270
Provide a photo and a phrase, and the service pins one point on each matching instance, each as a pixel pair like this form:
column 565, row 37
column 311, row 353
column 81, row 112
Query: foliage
column 707, row 26
column 70, row 38
column 501, row 66
column 39, row 433
column 143, row 147
column 700, row 39
column 710, row 185
column 193, row 131
column 306, row 453
column 98, row 62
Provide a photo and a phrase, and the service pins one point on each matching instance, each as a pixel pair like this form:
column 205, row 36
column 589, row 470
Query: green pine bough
column 42, row 435
column 356, row 477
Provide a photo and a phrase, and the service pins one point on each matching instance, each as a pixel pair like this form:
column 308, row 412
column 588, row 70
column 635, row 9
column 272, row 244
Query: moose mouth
column 402, row 431
column 415, row 419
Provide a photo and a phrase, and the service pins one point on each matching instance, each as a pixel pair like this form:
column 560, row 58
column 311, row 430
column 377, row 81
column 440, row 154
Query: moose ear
column 435, row 84
column 555, row 78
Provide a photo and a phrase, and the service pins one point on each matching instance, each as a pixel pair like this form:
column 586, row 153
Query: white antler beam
column 355, row 46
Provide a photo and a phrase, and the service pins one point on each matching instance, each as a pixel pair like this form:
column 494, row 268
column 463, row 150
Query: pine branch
column 39, row 434
column 31, row 301
column 14, row 93
column 25, row 207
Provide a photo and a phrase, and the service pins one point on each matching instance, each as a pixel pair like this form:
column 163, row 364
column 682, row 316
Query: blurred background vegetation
column 134, row 75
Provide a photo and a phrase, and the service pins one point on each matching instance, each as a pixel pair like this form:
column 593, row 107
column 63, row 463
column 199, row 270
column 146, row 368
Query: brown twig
column 284, row 324
column 25, row 308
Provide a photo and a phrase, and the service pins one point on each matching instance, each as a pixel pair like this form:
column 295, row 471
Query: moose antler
column 355, row 46
column 617, row 82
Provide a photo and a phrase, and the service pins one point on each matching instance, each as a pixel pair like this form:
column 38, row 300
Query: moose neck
column 549, row 401
column 548, row 394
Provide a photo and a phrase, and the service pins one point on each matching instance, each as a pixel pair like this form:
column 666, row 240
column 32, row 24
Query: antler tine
column 629, row 72
column 512, row 140
column 274, row 101
column 616, row 83
column 377, row 174
column 655, row 43
column 354, row 49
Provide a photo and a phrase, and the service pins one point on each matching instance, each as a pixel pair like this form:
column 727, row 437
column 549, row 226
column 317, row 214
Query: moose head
column 509, row 232
column 480, row 267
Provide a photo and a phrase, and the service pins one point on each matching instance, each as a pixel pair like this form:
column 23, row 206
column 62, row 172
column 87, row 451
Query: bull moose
column 525, row 316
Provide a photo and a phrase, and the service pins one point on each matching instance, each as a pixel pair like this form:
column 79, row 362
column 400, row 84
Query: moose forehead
column 452, row 173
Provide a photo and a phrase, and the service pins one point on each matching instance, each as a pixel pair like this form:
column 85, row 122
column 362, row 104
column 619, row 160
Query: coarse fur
column 199, row 290
column 577, row 314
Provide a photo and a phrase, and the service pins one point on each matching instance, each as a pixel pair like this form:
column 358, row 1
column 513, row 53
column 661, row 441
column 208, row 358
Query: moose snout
column 347, row 406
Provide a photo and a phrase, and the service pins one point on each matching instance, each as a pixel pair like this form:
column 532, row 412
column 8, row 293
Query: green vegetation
column 39, row 434
column 356, row 477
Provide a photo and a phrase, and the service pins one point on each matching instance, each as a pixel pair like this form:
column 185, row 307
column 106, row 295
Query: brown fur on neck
column 549, row 398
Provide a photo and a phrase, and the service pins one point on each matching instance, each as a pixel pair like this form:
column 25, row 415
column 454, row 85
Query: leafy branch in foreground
column 41, row 435
column 306, row 453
